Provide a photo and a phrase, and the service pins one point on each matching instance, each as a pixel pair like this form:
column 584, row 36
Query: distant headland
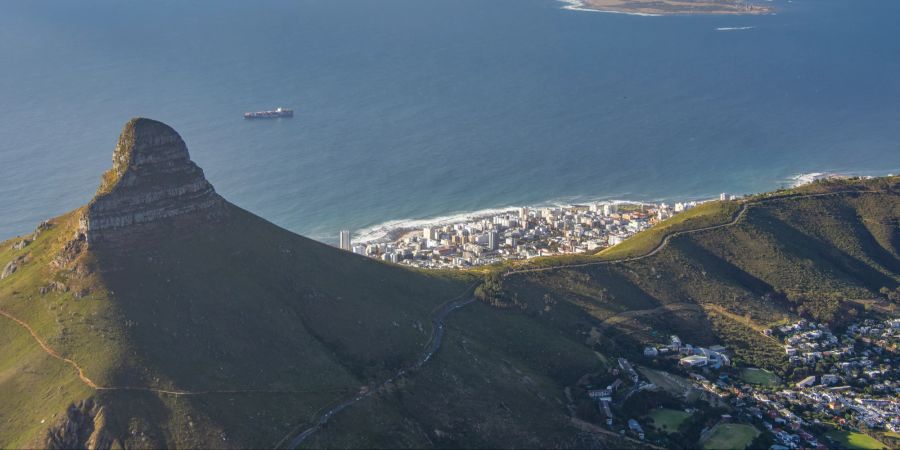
column 668, row 7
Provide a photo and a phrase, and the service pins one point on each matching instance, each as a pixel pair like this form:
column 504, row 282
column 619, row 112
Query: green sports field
column 854, row 439
column 762, row 377
column 729, row 436
column 667, row 420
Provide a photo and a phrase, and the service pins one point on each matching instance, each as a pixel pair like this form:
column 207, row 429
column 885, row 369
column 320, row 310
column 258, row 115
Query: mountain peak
column 144, row 145
column 152, row 186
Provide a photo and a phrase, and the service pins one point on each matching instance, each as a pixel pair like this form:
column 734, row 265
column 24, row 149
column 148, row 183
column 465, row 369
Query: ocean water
column 410, row 109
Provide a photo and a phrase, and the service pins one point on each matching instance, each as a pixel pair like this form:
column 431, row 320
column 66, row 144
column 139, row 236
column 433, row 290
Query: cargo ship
column 273, row 114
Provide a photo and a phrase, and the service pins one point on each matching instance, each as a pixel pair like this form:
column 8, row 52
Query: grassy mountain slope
column 498, row 381
column 160, row 315
column 721, row 285
column 286, row 323
column 788, row 254
column 239, row 333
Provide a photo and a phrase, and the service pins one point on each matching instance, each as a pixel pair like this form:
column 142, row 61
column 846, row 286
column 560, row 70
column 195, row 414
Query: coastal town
column 843, row 389
column 518, row 234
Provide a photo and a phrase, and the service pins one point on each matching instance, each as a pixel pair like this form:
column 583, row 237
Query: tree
column 490, row 290
column 892, row 295
column 762, row 441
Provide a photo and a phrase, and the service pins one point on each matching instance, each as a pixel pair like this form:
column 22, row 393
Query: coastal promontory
column 670, row 7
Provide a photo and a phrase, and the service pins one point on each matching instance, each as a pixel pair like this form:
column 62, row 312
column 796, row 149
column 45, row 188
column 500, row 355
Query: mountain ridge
column 194, row 323
column 160, row 289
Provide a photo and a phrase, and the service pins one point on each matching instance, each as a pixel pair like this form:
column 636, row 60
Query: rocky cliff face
column 82, row 426
column 153, row 189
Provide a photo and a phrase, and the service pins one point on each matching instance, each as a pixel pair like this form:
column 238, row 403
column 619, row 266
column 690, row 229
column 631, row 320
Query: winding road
column 438, row 320
column 434, row 343
column 174, row 392
column 665, row 241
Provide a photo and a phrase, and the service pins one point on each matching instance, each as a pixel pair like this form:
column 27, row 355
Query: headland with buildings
column 669, row 7
column 515, row 234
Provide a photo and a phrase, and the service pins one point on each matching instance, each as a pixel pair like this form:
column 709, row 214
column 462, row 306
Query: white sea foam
column 388, row 230
column 384, row 231
column 734, row 28
column 806, row 178
column 578, row 5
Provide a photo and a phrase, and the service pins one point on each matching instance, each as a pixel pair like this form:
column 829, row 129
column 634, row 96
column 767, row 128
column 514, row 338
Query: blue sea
column 413, row 109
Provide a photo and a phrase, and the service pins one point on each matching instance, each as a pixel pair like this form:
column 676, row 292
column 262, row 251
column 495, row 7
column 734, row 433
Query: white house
column 807, row 382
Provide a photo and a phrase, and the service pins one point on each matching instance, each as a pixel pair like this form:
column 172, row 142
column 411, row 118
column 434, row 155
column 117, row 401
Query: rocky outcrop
column 82, row 426
column 153, row 190
column 11, row 267
column 42, row 227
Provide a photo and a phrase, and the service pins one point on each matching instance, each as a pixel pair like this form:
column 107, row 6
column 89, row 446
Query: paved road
column 438, row 333
column 434, row 343
column 625, row 316
column 668, row 237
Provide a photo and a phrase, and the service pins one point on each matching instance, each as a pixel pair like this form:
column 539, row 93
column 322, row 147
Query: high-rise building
column 345, row 240
column 723, row 196
column 427, row 233
column 492, row 240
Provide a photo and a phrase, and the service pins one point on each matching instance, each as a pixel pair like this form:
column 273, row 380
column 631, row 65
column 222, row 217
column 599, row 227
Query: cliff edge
column 152, row 187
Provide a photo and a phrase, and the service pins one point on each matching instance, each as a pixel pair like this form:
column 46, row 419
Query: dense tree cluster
column 892, row 295
column 491, row 291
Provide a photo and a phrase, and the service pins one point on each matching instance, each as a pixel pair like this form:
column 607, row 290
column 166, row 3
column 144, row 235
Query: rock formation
column 153, row 189
column 82, row 426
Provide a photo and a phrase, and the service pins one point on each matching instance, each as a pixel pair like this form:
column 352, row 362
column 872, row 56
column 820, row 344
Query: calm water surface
column 421, row 108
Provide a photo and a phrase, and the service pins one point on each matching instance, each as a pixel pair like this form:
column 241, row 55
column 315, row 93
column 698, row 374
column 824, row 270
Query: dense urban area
column 519, row 234
column 846, row 392
column 840, row 391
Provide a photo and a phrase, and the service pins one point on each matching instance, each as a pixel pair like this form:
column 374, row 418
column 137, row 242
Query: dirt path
column 668, row 237
column 50, row 351
column 449, row 306
column 176, row 392
column 627, row 315
column 440, row 313
column 735, row 317
column 718, row 309
column 591, row 428
column 437, row 332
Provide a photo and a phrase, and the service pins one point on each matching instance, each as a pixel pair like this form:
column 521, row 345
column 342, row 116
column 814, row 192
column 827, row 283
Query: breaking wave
column 734, row 28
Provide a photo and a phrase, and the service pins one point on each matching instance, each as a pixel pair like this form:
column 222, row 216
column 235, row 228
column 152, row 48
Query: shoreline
column 578, row 5
column 396, row 229
column 393, row 230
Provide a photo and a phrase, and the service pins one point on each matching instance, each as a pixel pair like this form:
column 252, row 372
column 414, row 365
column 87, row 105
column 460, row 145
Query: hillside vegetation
column 708, row 287
column 160, row 315
column 811, row 252
column 240, row 333
column 268, row 326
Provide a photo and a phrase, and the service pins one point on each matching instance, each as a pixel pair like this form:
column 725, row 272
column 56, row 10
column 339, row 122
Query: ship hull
column 269, row 114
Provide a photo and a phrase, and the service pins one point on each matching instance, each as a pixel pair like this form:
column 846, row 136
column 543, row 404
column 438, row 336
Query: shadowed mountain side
column 498, row 382
column 805, row 253
column 188, row 321
column 256, row 303
column 160, row 315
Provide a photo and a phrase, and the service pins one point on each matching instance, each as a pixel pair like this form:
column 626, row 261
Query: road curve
column 438, row 320
column 433, row 344
column 665, row 241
